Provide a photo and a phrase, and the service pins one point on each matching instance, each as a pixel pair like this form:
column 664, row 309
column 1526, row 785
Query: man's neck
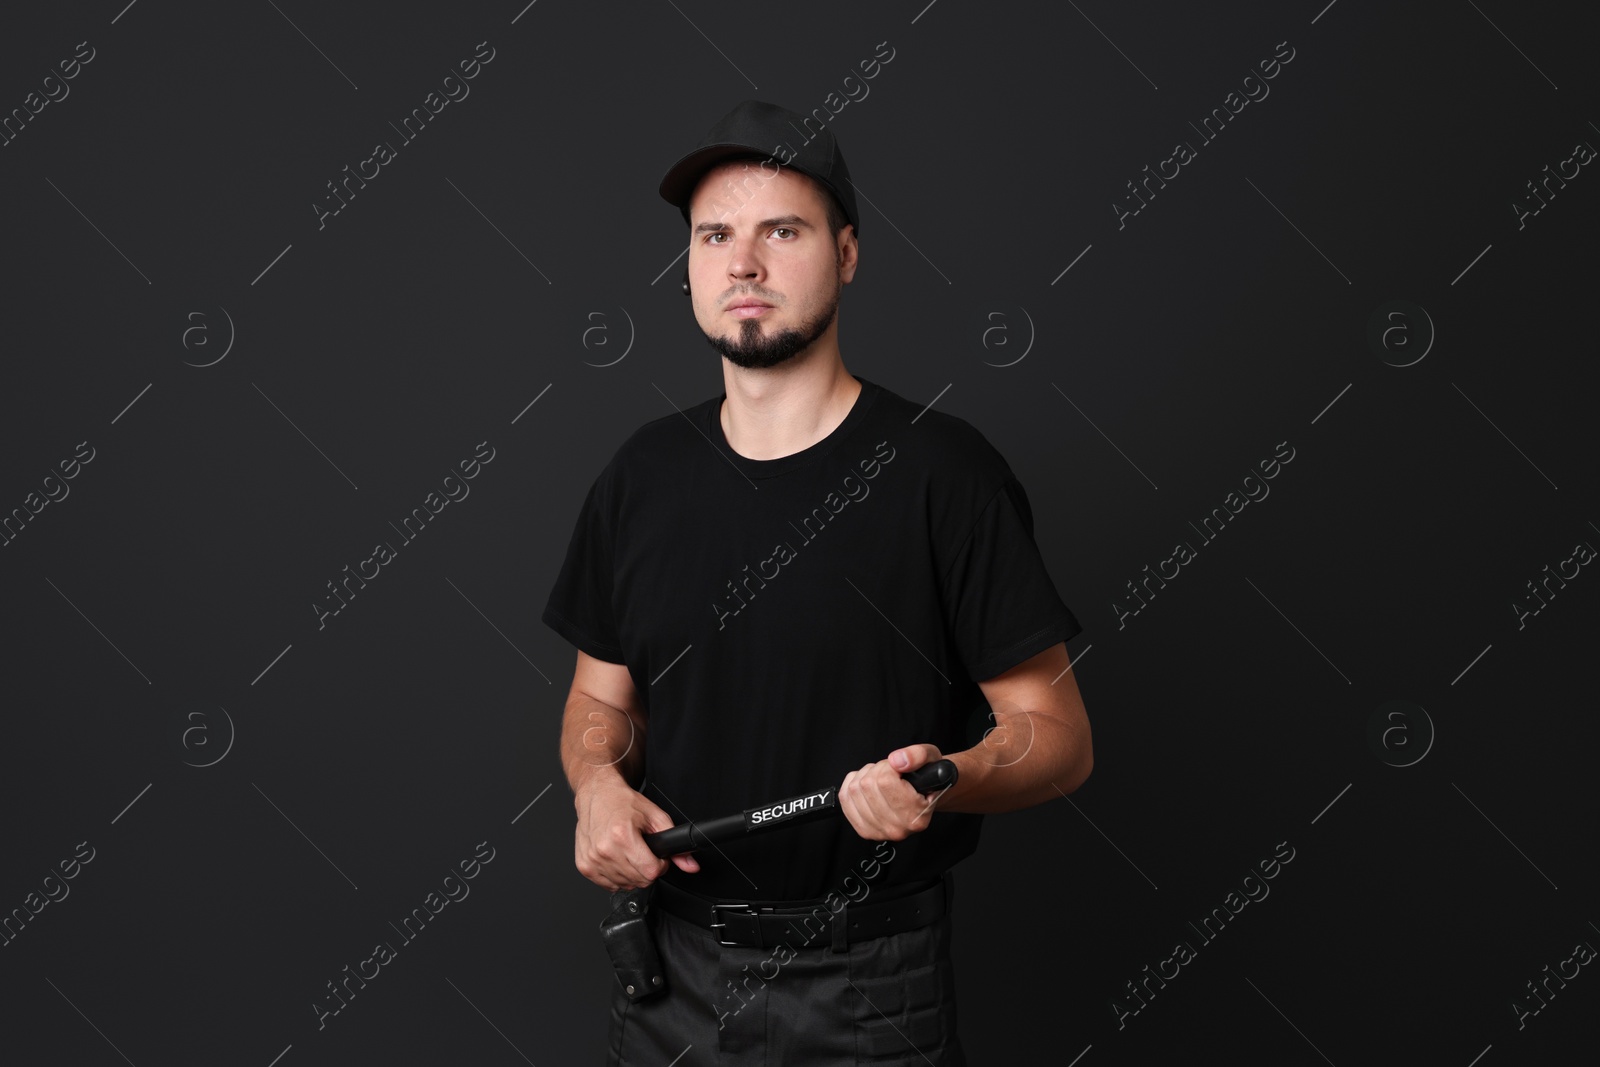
column 769, row 414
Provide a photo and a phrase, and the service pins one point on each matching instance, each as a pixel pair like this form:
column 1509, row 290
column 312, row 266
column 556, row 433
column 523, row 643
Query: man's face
column 760, row 233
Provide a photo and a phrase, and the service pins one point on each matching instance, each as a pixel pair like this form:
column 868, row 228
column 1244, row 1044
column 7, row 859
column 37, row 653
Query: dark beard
column 753, row 350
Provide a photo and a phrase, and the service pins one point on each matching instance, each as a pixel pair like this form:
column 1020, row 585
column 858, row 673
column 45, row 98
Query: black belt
column 765, row 925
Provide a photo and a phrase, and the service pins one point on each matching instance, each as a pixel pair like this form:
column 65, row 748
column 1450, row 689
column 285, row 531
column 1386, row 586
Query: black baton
column 807, row 807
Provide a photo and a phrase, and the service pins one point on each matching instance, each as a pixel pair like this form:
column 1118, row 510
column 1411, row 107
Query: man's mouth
column 743, row 302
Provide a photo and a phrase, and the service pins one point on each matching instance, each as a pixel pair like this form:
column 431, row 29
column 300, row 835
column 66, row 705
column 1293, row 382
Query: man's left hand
column 881, row 805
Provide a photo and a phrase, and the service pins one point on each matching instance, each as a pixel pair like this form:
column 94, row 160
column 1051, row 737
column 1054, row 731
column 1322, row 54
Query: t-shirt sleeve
column 1000, row 603
column 579, row 608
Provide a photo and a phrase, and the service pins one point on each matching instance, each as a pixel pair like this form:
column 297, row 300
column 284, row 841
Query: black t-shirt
column 787, row 621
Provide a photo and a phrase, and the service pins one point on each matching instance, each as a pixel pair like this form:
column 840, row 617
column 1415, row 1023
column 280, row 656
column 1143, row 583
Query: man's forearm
column 1028, row 760
column 600, row 743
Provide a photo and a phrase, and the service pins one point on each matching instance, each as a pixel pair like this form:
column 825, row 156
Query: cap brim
column 682, row 177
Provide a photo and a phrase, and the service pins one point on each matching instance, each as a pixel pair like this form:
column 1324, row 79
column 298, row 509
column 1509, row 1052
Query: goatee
column 754, row 350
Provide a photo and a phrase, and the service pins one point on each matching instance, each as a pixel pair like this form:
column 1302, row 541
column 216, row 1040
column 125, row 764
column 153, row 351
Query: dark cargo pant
column 887, row 1001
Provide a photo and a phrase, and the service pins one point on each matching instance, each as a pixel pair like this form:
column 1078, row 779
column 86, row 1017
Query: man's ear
column 686, row 281
column 845, row 243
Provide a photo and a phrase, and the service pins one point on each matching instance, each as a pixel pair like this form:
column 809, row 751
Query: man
column 876, row 603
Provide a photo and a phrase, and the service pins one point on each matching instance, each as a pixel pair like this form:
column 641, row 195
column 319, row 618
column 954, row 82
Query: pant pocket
column 903, row 1018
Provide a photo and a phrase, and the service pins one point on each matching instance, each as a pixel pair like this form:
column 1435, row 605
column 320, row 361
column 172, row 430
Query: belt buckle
column 749, row 912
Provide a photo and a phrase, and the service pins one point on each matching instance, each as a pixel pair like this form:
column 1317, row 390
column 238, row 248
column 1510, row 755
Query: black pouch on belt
column 631, row 944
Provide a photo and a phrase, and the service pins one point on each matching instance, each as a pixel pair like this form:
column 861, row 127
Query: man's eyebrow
column 764, row 224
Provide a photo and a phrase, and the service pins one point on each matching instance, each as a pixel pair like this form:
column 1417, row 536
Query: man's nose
column 745, row 262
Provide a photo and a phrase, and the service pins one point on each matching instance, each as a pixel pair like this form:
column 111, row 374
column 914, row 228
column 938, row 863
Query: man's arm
column 1040, row 747
column 602, row 753
column 1038, row 750
column 602, row 730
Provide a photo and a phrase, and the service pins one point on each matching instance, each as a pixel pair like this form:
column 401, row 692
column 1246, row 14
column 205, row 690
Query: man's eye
column 711, row 238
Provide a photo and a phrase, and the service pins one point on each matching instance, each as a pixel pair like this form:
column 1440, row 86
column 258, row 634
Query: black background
column 164, row 606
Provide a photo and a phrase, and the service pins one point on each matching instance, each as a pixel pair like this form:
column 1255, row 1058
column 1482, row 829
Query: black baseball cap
column 759, row 128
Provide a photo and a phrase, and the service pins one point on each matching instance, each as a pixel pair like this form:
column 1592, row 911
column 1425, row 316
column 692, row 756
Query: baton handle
column 689, row 836
column 932, row 777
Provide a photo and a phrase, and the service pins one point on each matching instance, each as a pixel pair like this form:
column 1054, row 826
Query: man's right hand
column 613, row 818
